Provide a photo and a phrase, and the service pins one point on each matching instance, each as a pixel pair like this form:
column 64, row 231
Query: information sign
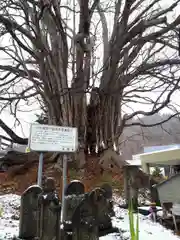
column 49, row 138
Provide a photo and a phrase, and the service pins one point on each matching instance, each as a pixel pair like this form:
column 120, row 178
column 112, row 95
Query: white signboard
column 49, row 138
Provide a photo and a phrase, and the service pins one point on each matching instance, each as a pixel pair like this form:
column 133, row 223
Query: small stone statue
column 49, row 214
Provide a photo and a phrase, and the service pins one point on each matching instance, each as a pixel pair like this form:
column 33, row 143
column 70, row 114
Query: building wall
column 169, row 191
column 166, row 171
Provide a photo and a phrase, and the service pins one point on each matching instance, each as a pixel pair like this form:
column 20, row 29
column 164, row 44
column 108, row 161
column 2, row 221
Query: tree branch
column 154, row 110
column 152, row 124
column 19, row 72
column 104, row 33
column 13, row 135
column 93, row 7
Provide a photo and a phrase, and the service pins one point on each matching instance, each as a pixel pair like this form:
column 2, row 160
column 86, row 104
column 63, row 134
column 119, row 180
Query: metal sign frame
column 46, row 143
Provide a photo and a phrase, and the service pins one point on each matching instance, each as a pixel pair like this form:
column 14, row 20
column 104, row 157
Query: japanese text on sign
column 47, row 138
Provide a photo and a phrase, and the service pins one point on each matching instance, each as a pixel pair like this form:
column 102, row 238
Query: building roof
column 168, row 180
column 135, row 162
column 160, row 147
column 167, row 157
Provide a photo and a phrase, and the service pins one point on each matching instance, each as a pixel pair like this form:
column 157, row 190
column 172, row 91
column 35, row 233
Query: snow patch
column 9, row 223
column 148, row 229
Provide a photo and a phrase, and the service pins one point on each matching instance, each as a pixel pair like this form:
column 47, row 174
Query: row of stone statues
column 86, row 215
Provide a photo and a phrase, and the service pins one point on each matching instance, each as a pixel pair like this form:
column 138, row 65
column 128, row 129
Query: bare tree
column 135, row 138
column 119, row 53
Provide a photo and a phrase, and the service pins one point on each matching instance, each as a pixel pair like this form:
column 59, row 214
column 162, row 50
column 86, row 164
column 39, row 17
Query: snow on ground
column 9, row 223
column 148, row 229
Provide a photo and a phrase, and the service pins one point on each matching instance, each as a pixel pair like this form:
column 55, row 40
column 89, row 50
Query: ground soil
column 14, row 181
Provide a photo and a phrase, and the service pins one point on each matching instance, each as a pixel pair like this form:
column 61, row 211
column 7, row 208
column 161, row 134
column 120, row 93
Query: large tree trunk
column 40, row 55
